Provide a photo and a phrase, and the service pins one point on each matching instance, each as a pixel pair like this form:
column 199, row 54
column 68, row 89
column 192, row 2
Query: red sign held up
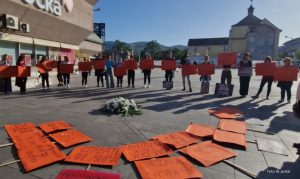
column 265, row 69
column 120, row 71
column 66, row 68
column 206, row 69
column 168, row 65
column 24, row 71
column 8, row 71
column 147, row 64
column 51, row 64
column 227, row 58
column 99, row 64
column 286, row 74
column 85, row 66
column 189, row 69
column 130, row 64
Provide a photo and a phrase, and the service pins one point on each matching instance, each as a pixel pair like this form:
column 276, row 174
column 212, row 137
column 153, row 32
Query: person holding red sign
column 66, row 76
column 100, row 73
column 185, row 61
column 84, row 75
column 21, row 81
column 264, row 80
column 59, row 75
column 204, row 79
column 147, row 73
column 120, row 64
column 286, row 86
column 245, row 73
column 45, row 76
column 5, row 83
column 169, row 74
column 131, row 75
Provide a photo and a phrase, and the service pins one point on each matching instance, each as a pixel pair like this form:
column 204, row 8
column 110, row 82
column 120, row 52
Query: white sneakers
column 146, row 86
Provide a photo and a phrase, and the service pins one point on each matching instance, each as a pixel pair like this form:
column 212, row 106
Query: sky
column 173, row 22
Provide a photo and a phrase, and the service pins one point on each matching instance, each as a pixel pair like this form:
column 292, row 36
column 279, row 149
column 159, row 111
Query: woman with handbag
column 245, row 73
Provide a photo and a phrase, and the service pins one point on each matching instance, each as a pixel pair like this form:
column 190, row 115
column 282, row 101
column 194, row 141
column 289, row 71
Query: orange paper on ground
column 108, row 156
column 85, row 66
column 177, row 139
column 145, row 150
column 29, row 140
column 130, row 64
column 49, row 127
column 120, row 71
column 230, row 137
column 8, row 71
column 189, row 69
column 200, row 130
column 24, row 72
column 37, row 156
column 99, row 64
column 168, row 65
column 286, row 74
column 233, row 126
column 208, row 153
column 265, row 69
column 206, row 69
column 226, row 113
column 66, row 68
column 147, row 64
column 227, row 59
column 167, row 168
column 21, row 129
column 70, row 137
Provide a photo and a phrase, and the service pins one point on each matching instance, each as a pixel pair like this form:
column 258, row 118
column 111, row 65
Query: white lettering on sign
column 51, row 6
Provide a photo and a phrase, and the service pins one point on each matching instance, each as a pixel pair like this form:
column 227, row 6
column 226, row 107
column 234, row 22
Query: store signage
column 52, row 6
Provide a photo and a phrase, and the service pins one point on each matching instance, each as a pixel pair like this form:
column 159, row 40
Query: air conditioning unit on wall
column 9, row 22
column 24, row 27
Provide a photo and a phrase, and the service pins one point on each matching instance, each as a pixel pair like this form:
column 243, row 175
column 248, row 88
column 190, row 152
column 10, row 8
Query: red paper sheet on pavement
column 226, row 113
column 99, row 64
column 130, row 64
column 145, row 150
column 120, row 71
column 107, row 156
column 206, row 69
column 21, row 129
column 54, row 126
column 189, row 69
column 37, row 156
column 286, row 74
column 230, row 137
column 227, row 59
column 233, row 126
column 85, row 66
column 66, row 68
column 8, row 71
column 24, row 72
column 265, row 69
column 168, row 65
column 28, row 140
column 167, row 168
column 208, row 153
column 177, row 139
column 86, row 174
column 147, row 64
column 70, row 137
column 200, row 130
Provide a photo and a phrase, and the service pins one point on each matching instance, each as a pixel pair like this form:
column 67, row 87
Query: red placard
column 206, row 69
column 8, row 71
column 66, row 68
column 42, row 68
column 265, row 69
column 54, row 126
column 189, row 69
column 286, row 74
column 24, row 72
column 168, row 65
column 147, row 64
column 70, row 137
column 227, row 58
column 50, row 64
column 85, row 174
column 120, row 71
column 85, row 66
column 99, row 64
column 130, row 64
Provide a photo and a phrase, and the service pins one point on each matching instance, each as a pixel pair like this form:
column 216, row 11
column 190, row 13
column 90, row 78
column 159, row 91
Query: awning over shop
column 90, row 48
column 69, row 46
column 17, row 38
column 46, row 43
column 79, row 54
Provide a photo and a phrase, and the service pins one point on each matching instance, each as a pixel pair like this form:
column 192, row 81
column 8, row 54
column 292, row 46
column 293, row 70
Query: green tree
column 153, row 48
column 121, row 46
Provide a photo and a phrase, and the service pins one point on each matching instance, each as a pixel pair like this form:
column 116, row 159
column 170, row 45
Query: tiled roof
column 249, row 21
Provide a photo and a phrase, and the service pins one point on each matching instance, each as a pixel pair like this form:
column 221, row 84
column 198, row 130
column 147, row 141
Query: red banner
column 66, row 68
column 85, row 66
column 227, row 59
column 8, row 71
column 130, row 64
column 286, row 74
column 120, row 71
column 99, row 64
column 206, row 69
column 189, row 69
column 265, row 69
column 168, row 65
column 147, row 64
column 24, row 72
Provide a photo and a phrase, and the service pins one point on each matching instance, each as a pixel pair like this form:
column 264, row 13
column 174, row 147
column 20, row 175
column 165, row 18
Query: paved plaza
column 164, row 111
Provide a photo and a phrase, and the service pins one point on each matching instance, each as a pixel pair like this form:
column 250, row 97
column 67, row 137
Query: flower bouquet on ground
column 122, row 106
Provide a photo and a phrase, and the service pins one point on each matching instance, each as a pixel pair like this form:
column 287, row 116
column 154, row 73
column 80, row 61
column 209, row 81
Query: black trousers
column 169, row 75
column 131, row 77
column 5, row 85
column 244, row 85
column 119, row 81
column 45, row 78
column 84, row 78
column 59, row 78
column 147, row 75
column 286, row 88
column 262, row 84
column 21, row 82
column 66, row 79
column 226, row 75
